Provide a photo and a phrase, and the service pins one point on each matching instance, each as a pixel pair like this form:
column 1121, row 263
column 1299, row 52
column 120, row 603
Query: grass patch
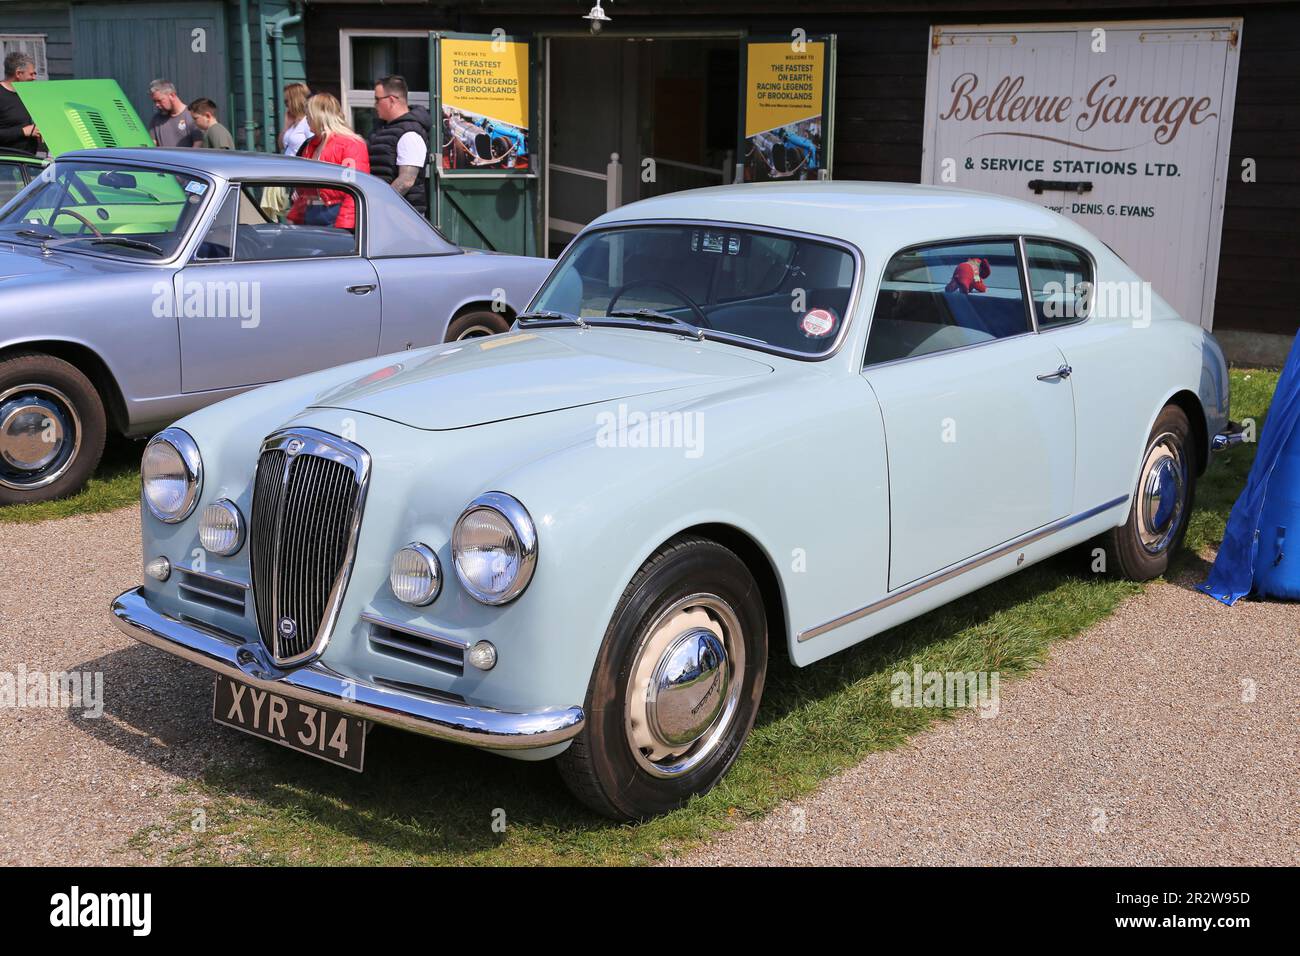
column 422, row 802
column 115, row 484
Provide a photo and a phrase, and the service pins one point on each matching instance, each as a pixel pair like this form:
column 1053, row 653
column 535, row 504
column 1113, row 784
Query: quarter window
column 1060, row 282
column 11, row 181
column 946, row 296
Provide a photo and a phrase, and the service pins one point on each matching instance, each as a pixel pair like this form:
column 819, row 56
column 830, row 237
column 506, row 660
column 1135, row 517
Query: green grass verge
column 421, row 802
column 115, row 484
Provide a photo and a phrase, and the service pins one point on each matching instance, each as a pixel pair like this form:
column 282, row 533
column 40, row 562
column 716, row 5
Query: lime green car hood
column 82, row 114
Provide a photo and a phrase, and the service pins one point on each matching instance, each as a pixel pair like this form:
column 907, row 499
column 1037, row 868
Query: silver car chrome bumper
column 1232, row 435
column 318, row 685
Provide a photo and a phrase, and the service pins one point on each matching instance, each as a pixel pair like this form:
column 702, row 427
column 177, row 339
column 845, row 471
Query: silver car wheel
column 40, row 434
column 1162, row 493
column 684, row 686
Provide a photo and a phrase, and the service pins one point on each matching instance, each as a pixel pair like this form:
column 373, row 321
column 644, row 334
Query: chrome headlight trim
column 230, row 510
column 525, row 532
column 188, row 449
column 425, row 554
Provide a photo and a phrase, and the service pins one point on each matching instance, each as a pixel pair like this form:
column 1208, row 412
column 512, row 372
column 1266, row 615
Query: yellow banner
column 486, row 78
column 783, row 85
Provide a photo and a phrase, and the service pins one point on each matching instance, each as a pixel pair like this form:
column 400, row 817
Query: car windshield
column 759, row 289
column 112, row 210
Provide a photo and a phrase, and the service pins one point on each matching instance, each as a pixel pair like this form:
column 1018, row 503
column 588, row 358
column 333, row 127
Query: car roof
column 878, row 218
column 393, row 227
column 226, row 163
column 14, row 155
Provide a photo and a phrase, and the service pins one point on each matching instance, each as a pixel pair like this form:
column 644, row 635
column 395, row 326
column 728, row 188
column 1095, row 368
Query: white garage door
column 1122, row 126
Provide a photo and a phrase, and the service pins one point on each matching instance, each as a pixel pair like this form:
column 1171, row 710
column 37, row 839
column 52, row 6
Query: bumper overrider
column 318, row 685
column 1232, row 434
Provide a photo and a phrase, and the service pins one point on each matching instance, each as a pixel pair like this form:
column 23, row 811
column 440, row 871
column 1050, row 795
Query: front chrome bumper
column 1232, row 435
column 318, row 685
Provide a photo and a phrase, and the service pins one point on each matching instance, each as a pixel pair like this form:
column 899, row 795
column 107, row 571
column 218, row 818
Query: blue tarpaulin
column 1233, row 573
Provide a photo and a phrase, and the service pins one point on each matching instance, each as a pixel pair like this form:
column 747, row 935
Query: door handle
column 1062, row 372
column 361, row 289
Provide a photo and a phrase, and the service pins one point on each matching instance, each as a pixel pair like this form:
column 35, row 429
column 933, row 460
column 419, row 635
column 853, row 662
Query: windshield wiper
column 550, row 315
column 124, row 241
column 651, row 315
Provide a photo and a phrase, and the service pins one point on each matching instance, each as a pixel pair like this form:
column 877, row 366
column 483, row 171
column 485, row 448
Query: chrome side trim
column 940, row 577
column 319, row 686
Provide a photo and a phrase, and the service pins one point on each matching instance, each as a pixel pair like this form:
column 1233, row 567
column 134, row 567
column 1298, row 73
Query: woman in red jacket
column 333, row 142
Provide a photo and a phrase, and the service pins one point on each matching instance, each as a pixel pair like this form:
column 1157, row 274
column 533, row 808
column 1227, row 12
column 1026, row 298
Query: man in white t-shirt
column 399, row 146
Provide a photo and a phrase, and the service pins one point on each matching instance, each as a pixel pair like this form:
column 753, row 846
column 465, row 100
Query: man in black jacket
column 17, row 131
column 399, row 146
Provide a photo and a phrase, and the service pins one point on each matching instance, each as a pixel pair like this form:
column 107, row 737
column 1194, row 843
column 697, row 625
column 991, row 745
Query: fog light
column 414, row 575
column 482, row 655
column 159, row 568
column 221, row 528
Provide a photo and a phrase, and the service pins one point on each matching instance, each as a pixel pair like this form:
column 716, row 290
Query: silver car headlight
column 414, row 575
column 171, row 475
column 221, row 527
column 494, row 545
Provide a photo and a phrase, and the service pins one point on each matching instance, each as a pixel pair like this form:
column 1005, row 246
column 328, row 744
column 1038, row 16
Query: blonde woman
column 296, row 131
column 333, row 142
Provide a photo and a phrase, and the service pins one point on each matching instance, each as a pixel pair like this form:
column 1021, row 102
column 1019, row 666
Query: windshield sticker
column 818, row 323
column 196, row 187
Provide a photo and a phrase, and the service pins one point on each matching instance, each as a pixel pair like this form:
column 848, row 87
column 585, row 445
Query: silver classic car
column 137, row 285
column 737, row 419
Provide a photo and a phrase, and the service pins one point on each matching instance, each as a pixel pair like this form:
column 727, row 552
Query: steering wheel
column 79, row 217
column 703, row 320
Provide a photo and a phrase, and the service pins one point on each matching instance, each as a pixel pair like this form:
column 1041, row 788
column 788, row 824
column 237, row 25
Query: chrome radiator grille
column 307, row 501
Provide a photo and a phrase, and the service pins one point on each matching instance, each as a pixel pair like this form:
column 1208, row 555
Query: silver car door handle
column 361, row 289
column 1062, row 372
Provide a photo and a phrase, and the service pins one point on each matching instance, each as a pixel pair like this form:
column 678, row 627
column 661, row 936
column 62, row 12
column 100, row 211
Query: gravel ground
column 73, row 789
column 1135, row 744
column 1132, row 745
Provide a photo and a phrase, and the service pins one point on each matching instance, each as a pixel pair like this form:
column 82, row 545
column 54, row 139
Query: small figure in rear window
column 969, row 276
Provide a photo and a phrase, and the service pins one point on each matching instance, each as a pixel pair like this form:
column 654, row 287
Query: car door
column 265, row 298
column 978, row 408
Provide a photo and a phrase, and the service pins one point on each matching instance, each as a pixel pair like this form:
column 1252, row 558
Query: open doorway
column 616, row 102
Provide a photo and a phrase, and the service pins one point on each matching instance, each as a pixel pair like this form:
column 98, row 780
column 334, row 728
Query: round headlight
column 414, row 575
column 495, row 548
column 221, row 527
column 171, row 475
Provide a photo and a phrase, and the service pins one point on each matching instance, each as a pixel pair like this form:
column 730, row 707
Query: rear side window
column 946, row 296
column 1060, row 282
column 11, row 181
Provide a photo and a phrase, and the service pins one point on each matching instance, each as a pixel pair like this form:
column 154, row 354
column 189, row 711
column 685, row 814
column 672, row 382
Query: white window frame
column 354, row 98
column 33, row 43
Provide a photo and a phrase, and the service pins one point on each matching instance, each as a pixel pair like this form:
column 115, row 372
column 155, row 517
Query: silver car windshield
column 760, row 289
column 107, row 209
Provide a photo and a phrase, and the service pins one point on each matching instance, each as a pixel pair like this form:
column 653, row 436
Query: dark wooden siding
column 880, row 102
column 49, row 18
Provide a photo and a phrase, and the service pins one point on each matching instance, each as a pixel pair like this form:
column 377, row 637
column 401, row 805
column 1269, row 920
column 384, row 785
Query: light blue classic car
column 792, row 413
column 137, row 285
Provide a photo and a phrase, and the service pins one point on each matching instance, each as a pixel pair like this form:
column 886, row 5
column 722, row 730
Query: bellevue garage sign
column 1122, row 126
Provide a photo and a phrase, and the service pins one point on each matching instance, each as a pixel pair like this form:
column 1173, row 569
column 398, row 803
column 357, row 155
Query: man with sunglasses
column 399, row 145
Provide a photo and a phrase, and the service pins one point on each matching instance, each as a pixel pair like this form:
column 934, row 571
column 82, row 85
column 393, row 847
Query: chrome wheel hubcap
column 39, row 436
column 1162, row 494
column 685, row 685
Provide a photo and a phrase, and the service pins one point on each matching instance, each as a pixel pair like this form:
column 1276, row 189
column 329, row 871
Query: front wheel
column 676, row 685
column 1162, row 502
column 52, row 429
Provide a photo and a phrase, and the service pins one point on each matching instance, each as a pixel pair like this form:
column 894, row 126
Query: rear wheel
column 1162, row 501
column 676, row 685
column 52, row 429
column 480, row 322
